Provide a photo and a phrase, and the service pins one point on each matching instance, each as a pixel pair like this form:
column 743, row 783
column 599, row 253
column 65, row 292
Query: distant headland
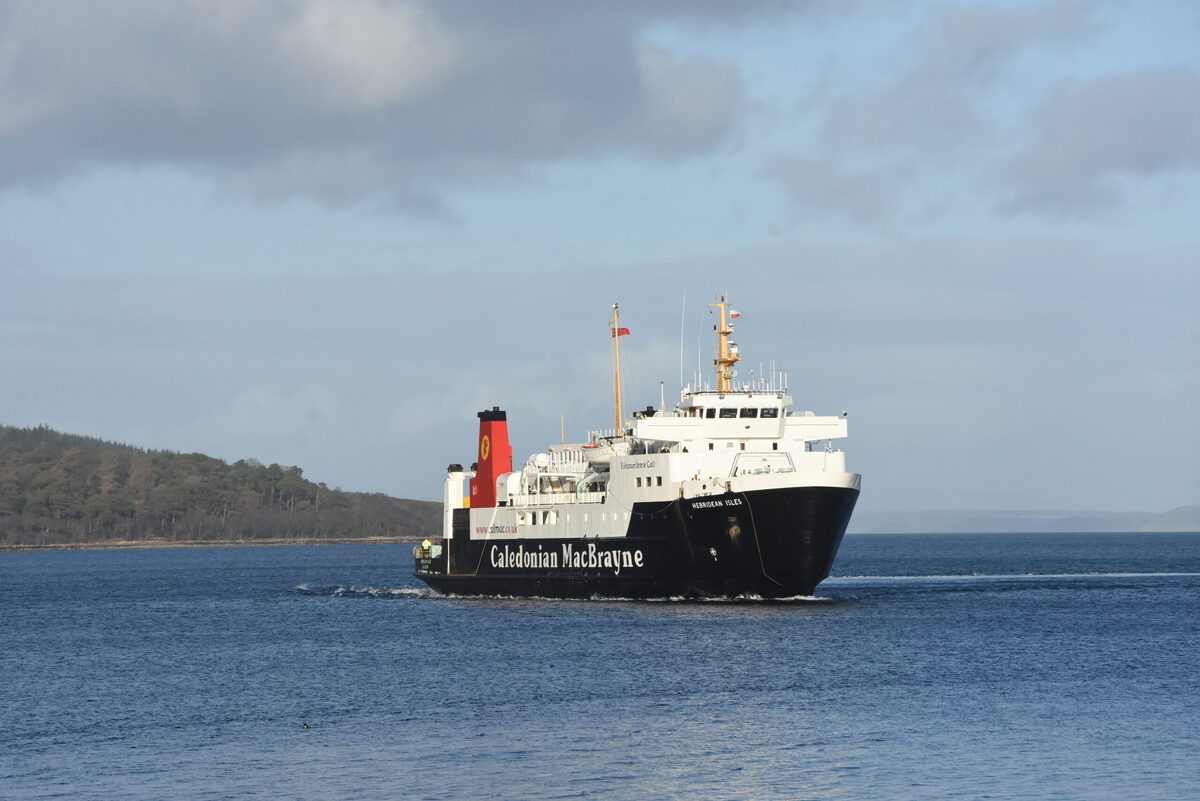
column 979, row 521
column 67, row 491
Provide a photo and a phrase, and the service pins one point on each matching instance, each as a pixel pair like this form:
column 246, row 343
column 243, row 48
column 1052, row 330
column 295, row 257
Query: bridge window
column 748, row 413
column 769, row 413
column 710, row 412
column 727, row 413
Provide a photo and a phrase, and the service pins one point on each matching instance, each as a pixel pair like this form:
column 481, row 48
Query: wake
column 424, row 593
column 352, row 591
column 1002, row 577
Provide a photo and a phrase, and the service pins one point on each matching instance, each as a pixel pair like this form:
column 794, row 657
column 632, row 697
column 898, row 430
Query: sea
column 1031, row 666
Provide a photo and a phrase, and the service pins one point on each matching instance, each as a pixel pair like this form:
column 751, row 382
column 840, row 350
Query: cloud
column 1087, row 134
column 367, row 55
column 934, row 103
column 926, row 113
column 823, row 187
column 341, row 101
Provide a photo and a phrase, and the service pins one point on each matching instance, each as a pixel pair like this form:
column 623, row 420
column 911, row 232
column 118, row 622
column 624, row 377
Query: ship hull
column 769, row 543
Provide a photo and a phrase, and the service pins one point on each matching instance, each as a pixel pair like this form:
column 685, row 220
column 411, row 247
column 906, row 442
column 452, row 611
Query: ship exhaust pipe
column 495, row 457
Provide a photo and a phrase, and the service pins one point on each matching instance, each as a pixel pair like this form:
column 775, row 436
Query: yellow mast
column 726, row 358
column 616, row 335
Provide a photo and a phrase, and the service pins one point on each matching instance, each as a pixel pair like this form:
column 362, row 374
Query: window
column 639, row 481
column 747, row 412
column 659, row 480
column 710, row 412
column 774, row 446
column 710, row 446
column 648, row 482
column 743, row 446
column 727, row 413
column 769, row 413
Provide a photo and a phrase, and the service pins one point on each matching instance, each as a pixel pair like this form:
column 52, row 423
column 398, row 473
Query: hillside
column 60, row 488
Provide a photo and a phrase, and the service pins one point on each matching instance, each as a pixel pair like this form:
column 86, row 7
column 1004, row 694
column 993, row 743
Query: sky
column 326, row 233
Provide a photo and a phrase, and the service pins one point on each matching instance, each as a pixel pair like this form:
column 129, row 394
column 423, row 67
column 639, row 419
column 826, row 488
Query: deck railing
column 554, row 498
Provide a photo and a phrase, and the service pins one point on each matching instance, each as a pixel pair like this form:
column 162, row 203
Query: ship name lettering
column 508, row 557
column 714, row 504
column 593, row 557
column 647, row 465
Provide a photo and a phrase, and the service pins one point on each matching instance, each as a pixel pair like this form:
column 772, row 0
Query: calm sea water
column 935, row 666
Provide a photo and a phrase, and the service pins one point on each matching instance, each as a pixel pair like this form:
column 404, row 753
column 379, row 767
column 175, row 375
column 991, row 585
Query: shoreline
column 123, row 545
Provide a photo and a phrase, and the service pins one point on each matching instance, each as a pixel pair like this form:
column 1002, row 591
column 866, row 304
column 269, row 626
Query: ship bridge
column 706, row 417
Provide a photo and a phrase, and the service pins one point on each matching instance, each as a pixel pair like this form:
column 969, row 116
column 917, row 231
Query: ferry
column 729, row 494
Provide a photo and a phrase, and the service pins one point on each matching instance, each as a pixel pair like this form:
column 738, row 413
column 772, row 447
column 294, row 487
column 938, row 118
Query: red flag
column 620, row 332
column 734, row 314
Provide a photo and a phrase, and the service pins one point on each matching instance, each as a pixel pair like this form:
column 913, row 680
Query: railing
column 762, row 471
column 554, row 498
column 564, row 461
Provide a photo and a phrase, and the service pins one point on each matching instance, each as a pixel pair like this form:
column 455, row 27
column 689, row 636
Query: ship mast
column 616, row 335
column 727, row 354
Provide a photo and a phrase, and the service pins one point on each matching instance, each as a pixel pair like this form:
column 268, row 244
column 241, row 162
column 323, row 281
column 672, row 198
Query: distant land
column 975, row 521
column 67, row 490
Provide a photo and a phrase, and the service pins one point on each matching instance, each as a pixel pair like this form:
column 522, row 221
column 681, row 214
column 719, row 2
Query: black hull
column 775, row 543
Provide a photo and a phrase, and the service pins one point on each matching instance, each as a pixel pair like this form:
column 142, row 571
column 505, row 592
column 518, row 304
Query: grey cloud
column 933, row 103
column 344, row 100
column 927, row 113
column 1087, row 134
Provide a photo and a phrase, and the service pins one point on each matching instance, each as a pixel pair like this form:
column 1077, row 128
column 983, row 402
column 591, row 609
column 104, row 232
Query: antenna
column 616, row 335
column 682, row 317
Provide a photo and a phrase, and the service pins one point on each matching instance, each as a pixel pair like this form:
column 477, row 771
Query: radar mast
column 727, row 353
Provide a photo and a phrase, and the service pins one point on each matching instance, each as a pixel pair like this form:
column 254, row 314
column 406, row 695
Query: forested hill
column 61, row 488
